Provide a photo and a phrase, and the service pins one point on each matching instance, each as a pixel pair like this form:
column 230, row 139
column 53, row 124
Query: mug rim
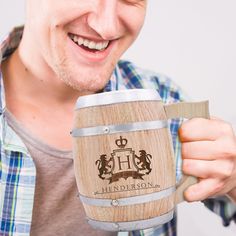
column 118, row 96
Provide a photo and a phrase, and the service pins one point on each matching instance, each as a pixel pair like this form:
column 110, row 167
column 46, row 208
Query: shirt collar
column 11, row 42
column 8, row 45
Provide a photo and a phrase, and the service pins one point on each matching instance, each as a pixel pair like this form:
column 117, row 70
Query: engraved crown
column 121, row 142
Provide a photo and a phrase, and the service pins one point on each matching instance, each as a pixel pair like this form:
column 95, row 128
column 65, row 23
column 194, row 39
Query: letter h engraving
column 123, row 162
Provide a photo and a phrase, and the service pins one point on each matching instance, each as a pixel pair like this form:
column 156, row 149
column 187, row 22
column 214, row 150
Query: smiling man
column 69, row 48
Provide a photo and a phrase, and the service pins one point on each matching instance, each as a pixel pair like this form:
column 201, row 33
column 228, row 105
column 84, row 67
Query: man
column 69, row 49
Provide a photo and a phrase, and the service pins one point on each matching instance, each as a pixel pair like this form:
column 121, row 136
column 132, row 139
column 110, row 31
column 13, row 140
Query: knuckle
column 228, row 169
column 218, row 187
column 232, row 147
column 228, row 148
column 225, row 128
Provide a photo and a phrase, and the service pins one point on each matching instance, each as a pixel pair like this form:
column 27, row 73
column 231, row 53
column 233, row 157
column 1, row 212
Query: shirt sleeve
column 223, row 207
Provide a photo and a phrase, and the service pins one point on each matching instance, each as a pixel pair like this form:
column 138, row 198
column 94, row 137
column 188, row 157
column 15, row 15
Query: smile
column 89, row 44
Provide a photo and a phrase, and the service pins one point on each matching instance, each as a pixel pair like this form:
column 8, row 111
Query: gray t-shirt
column 57, row 209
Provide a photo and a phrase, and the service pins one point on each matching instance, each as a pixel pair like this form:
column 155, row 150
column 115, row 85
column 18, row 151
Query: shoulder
column 134, row 76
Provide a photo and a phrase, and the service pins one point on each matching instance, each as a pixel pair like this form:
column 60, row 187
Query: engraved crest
column 124, row 163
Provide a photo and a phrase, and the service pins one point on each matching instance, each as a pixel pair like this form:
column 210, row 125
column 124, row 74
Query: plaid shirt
column 18, row 172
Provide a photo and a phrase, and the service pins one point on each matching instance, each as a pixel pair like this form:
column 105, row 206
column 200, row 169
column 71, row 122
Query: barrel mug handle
column 186, row 110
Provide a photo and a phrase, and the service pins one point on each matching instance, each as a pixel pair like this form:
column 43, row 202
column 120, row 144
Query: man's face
column 82, row 40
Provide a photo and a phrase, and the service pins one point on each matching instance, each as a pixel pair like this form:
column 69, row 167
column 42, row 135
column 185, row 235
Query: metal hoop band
column 112, row 129
column 120, row 96
column 132, row 225
column 128, row 200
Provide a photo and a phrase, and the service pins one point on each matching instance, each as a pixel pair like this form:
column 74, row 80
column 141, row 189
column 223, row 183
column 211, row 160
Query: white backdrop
column 192, row 42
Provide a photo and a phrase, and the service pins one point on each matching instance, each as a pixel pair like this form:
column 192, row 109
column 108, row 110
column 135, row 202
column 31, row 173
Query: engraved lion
column 144, row 160
column 103, row 166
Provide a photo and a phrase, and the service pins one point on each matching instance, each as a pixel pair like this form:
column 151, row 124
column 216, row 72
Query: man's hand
column 209, row 153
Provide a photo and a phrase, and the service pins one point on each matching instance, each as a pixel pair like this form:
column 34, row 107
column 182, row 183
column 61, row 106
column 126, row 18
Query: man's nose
column 104, row 19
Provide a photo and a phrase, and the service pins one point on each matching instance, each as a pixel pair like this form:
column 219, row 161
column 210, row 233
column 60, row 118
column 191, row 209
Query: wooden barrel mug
column 123, row 158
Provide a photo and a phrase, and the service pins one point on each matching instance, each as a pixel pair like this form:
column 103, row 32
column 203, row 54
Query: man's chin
column 86, row 79
column 90, row 86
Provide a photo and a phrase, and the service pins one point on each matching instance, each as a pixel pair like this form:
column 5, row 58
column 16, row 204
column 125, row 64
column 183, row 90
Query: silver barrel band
column 112, row 129
column 127, row 200
column 132, row 225
column 115, row 97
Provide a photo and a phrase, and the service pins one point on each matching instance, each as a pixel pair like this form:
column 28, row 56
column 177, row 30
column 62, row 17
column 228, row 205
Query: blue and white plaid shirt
column 18, row 172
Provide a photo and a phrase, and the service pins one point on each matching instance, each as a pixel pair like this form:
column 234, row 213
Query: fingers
column 198, row 129
column 209, row 153
column 202, row 150
column 220, row 169
column 206, row 188
column 203, row 189
column 214, row 178
column 209, row 150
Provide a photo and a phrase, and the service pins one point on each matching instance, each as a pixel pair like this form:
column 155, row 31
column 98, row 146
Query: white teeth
column 88, row 43
column 75, row 38
column 91, row 45
column 99, row 46
column 105, row 44
column 80, row 41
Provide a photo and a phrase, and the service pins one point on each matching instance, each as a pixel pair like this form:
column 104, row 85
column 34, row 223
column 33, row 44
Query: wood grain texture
column 119, row 114
column 188, row 110
column 157, row 143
